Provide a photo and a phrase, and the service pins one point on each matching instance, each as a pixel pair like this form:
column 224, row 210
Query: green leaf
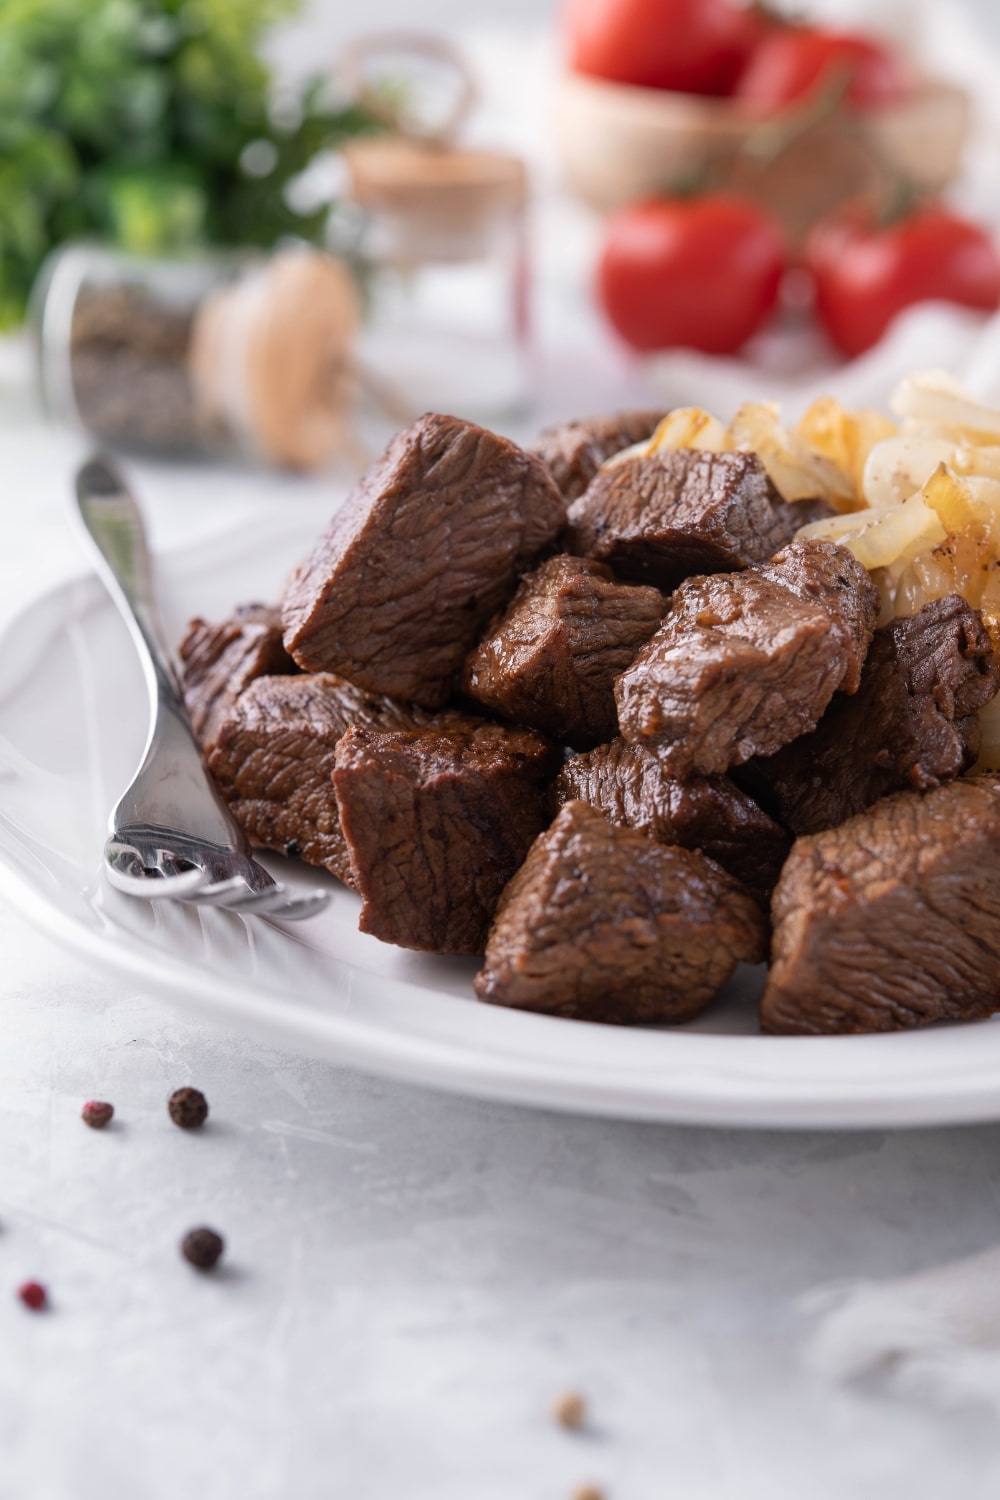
column 128, row 119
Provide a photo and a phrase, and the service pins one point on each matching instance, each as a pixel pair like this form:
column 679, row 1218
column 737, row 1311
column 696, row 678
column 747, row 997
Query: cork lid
column 299, row 371
column 273, row 357
column 428, row 181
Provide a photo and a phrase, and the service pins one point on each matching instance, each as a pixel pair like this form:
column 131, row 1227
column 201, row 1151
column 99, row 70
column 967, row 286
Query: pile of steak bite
column 612, row 727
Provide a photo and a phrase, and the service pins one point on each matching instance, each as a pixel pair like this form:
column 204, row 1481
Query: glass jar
column 247, row 356
column 442, row 241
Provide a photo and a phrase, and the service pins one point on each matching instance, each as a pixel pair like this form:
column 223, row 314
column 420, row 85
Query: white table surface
column 411, row 1280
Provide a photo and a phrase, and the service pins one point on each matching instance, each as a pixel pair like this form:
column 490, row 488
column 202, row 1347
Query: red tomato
column 865, row 273
column 792, row 62
column 697, row 272
column 694, row 46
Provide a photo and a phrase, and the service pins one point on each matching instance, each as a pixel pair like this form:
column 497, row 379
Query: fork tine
column 219, row 892
column 297, row 908
column 274, row 901
column 154, row 887
column 229, row 895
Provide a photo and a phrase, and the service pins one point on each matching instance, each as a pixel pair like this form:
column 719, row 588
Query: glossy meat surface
column 745, row 662
column 892, row 919
column 218, row 663
column 603, row 923
column 273, row 761
column 914, row 722
column 436, row 821
column 662, row 518
column 551, row 660
column 630, row 786
column 574, row 451
column 421, row 556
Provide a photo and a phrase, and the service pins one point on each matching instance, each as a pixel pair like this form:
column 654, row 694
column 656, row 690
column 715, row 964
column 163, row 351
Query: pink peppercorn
column 33, row 1295
column 97, row 1113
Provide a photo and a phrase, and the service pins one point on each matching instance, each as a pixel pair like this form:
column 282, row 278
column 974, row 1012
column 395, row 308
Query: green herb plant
column 153, row 124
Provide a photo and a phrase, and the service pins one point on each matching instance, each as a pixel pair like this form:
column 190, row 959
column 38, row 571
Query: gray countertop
column 412, row 1280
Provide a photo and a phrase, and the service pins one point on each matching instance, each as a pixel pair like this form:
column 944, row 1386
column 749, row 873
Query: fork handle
column 121, row 555
column 171, row 789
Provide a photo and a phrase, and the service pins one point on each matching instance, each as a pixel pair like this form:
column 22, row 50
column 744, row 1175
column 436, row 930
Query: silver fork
column 171, row 835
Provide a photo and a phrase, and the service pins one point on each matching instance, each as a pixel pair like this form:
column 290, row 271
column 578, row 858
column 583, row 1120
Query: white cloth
column 935, row 1334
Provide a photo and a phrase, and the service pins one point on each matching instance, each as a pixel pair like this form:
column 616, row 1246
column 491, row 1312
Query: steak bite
column 436, row 821
column 574, row 451
column 273, row 760
column 629, row 785
column 604, row 924
column 218, row 662
column 662, row 517
column 424, row 552
column 551, row 661
column 893, row 919
column 745, row 662
column 914, row 722
column 831, row 575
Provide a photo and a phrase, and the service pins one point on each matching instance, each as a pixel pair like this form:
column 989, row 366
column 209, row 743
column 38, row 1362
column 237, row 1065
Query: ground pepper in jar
column 249, row 356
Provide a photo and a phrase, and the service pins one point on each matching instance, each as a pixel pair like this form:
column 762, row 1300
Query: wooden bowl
column 618, row 144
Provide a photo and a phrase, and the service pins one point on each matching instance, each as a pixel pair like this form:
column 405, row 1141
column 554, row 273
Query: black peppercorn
column 202, row 1247
column 188, row 1108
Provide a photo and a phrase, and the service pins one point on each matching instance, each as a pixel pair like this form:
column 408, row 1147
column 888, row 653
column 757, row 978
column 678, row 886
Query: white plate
column 72, row 717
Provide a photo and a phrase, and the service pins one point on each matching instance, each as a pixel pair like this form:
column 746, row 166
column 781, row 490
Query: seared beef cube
column 605, row 924
column 745, row 662
column 914, row 722
column 437, row 821
column 662, row 517
column 892, row 919
column 831, row 576
column 551, row 661
column 630, row 786
column 574, row 451
column 424, row 552
column 273, row 759
column 218, row 662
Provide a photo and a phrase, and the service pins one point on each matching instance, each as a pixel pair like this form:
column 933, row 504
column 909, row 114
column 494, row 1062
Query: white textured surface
column 412, row 1279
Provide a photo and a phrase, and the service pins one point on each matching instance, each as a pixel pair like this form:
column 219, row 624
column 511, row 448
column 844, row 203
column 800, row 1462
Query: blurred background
column 244, row 229
column 336, row 23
